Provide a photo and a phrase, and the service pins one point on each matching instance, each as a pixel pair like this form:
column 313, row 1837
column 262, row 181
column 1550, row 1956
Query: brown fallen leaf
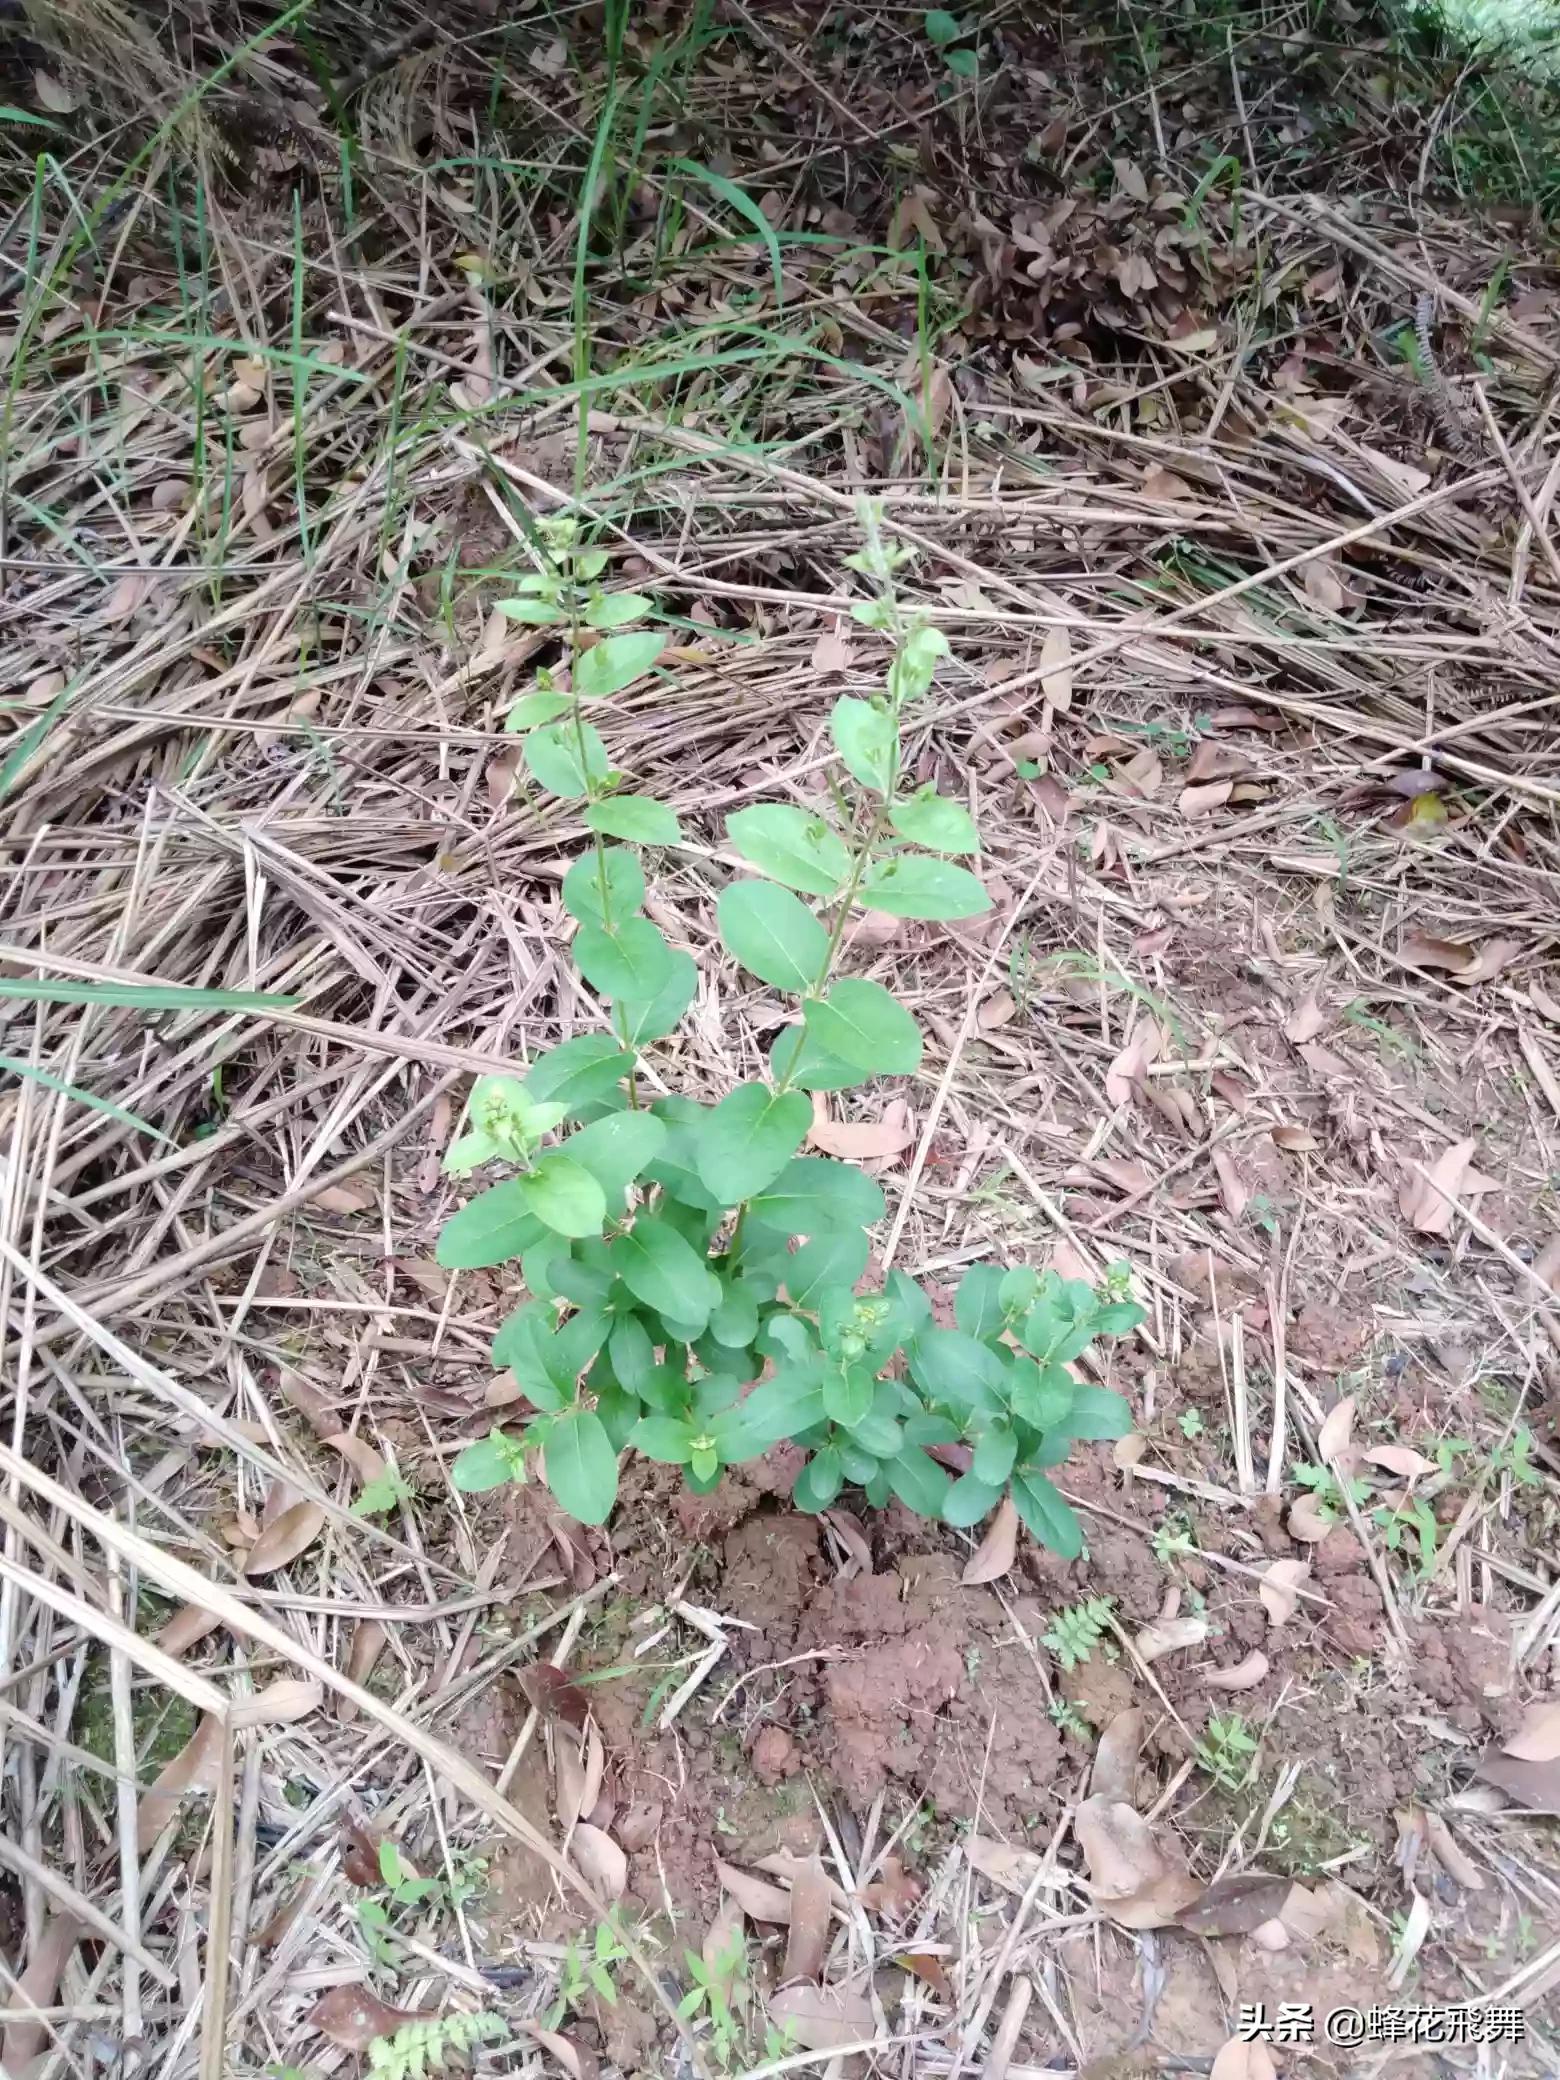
column 1204, row 798
column 1235, row 1905
column 1129, row 1070
column 37, row 1987
column 1013, row 1869
column 1532, row 1785
column 859, row 1141
column 345, row 1198
column 549, row 1691
column 281, row 1703
column 1245, row 1675
column 359, row 1853
column 359, row 1454
column 1306, row 1020
column 1458, row 1865
column 1240, row 2060
column 1332, row 1440
column 1425, row 1200
column 188, row 1625
column 894, row 1892
column 196, row 1767
column 997, row 1010
column 292, row 1533
column 310, row 1403
column 1399, row 1459
column 1295, row 1140
column 994, row 1555
column 1170, row 1636
column 368, row 1643
column 353, row 2016
column 1279, row 1589
column 1537, row 1739
column 1307, row 1521
column 1232, row 1186
column 928, row 1968
column 1162, row 487
column 807, row 1946
column 600, row 1861
column 832, row 651
column 1134, row 1879
column 1114, row 1774
column 1056, row 674
column 852, row 1535
column 53, row 94
column 580, row 1769
column 824, row 2018
column 579, row 2062
column 282, row 1916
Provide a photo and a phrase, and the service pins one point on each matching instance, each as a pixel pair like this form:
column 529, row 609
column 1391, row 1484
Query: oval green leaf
column 630, row 960
column 610, row 666
column 774, row 936
column 791, row 845
column 814, row 1195
column 1048, row 1517
column 930, row 819
column 616, row 1150
column 564, row 1195
column 639, row 1020
column 910, row 886
column 861, row 1023
column 867, row 739
column 579, row 1073
column 581, row 1466
column 490, row 1229
column 553, row 754
column 637, row 817
column 625, row 879
column 745, row 1143
column 666, row 1273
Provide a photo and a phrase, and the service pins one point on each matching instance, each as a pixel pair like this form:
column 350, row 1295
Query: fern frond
column 418, row 2047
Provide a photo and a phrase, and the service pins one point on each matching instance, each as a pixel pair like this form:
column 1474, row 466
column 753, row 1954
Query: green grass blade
column 140, row 996
column 87, row 1098
column 743, row 203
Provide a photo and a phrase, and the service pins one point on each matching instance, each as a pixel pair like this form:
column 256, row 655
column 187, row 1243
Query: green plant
column 1226, row 1751
column 1068, row 1719
column 656, row 1240
column 1173, row 1538
column 403, row 1887
column 949, row 36
column 582, row 1973
column 714, row 1995
column 1076, row 1630
column 419, row 2047
column 1327, row 1490
column 1190, row 1424
column 1414, row 1518
column 383, row 1493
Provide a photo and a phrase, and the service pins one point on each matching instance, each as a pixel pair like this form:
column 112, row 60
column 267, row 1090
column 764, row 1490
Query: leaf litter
column 1205, row 883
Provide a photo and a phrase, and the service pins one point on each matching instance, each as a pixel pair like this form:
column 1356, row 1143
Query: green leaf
column 527, row 1346
column 861, row 1023
column 867, row 739
column 630, row 960
column 745, row 206
column 791, row 845
column 489, row 1463
column 968, row 1500
column 977, row 1306
column 919, row 1482
column 631, row 1353
column 930, row 819
column 581, row 1466
column 819, row 1481
column 579, row 1074
column 774, row 936
column 140, row 996
column 827, row 1261
column 734, row 1323
column 616, row 609
column 847, row 1394
column 666, row 1273
column 1048, row 1517
column 909, row 886
column 784, row 1405
column 954, row 1369
column 498, row 1224
column 639, row 1020
column 797, row 1057
column 563, row 1193
column 553, row 755
column 910, row 673
column 664, row 1439
column 1117, row 1317
column 625, row 885
column 636, row 817
column 533, row 709
column 26, row 115
column 941, row 27
column 1041, row 1395
column 610, row 666
column 540, row 613
column 815, row 1196
column 617, row 1150
column 994, row 1455
column 745, row 1143
column 1098, row 1412
column 965, row 63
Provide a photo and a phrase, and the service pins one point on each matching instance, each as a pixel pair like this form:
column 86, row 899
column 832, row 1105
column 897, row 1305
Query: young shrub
column 673, row 1253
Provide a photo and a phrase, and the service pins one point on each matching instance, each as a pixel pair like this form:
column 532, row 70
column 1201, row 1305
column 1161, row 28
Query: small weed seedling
column 1227, row 1750
column 418, row 2048
column 1076, row 1631
column 1327, row 1490
column 1173, row 1539
column 657, row 1241
column 582, row 1973
column 376, row 1911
